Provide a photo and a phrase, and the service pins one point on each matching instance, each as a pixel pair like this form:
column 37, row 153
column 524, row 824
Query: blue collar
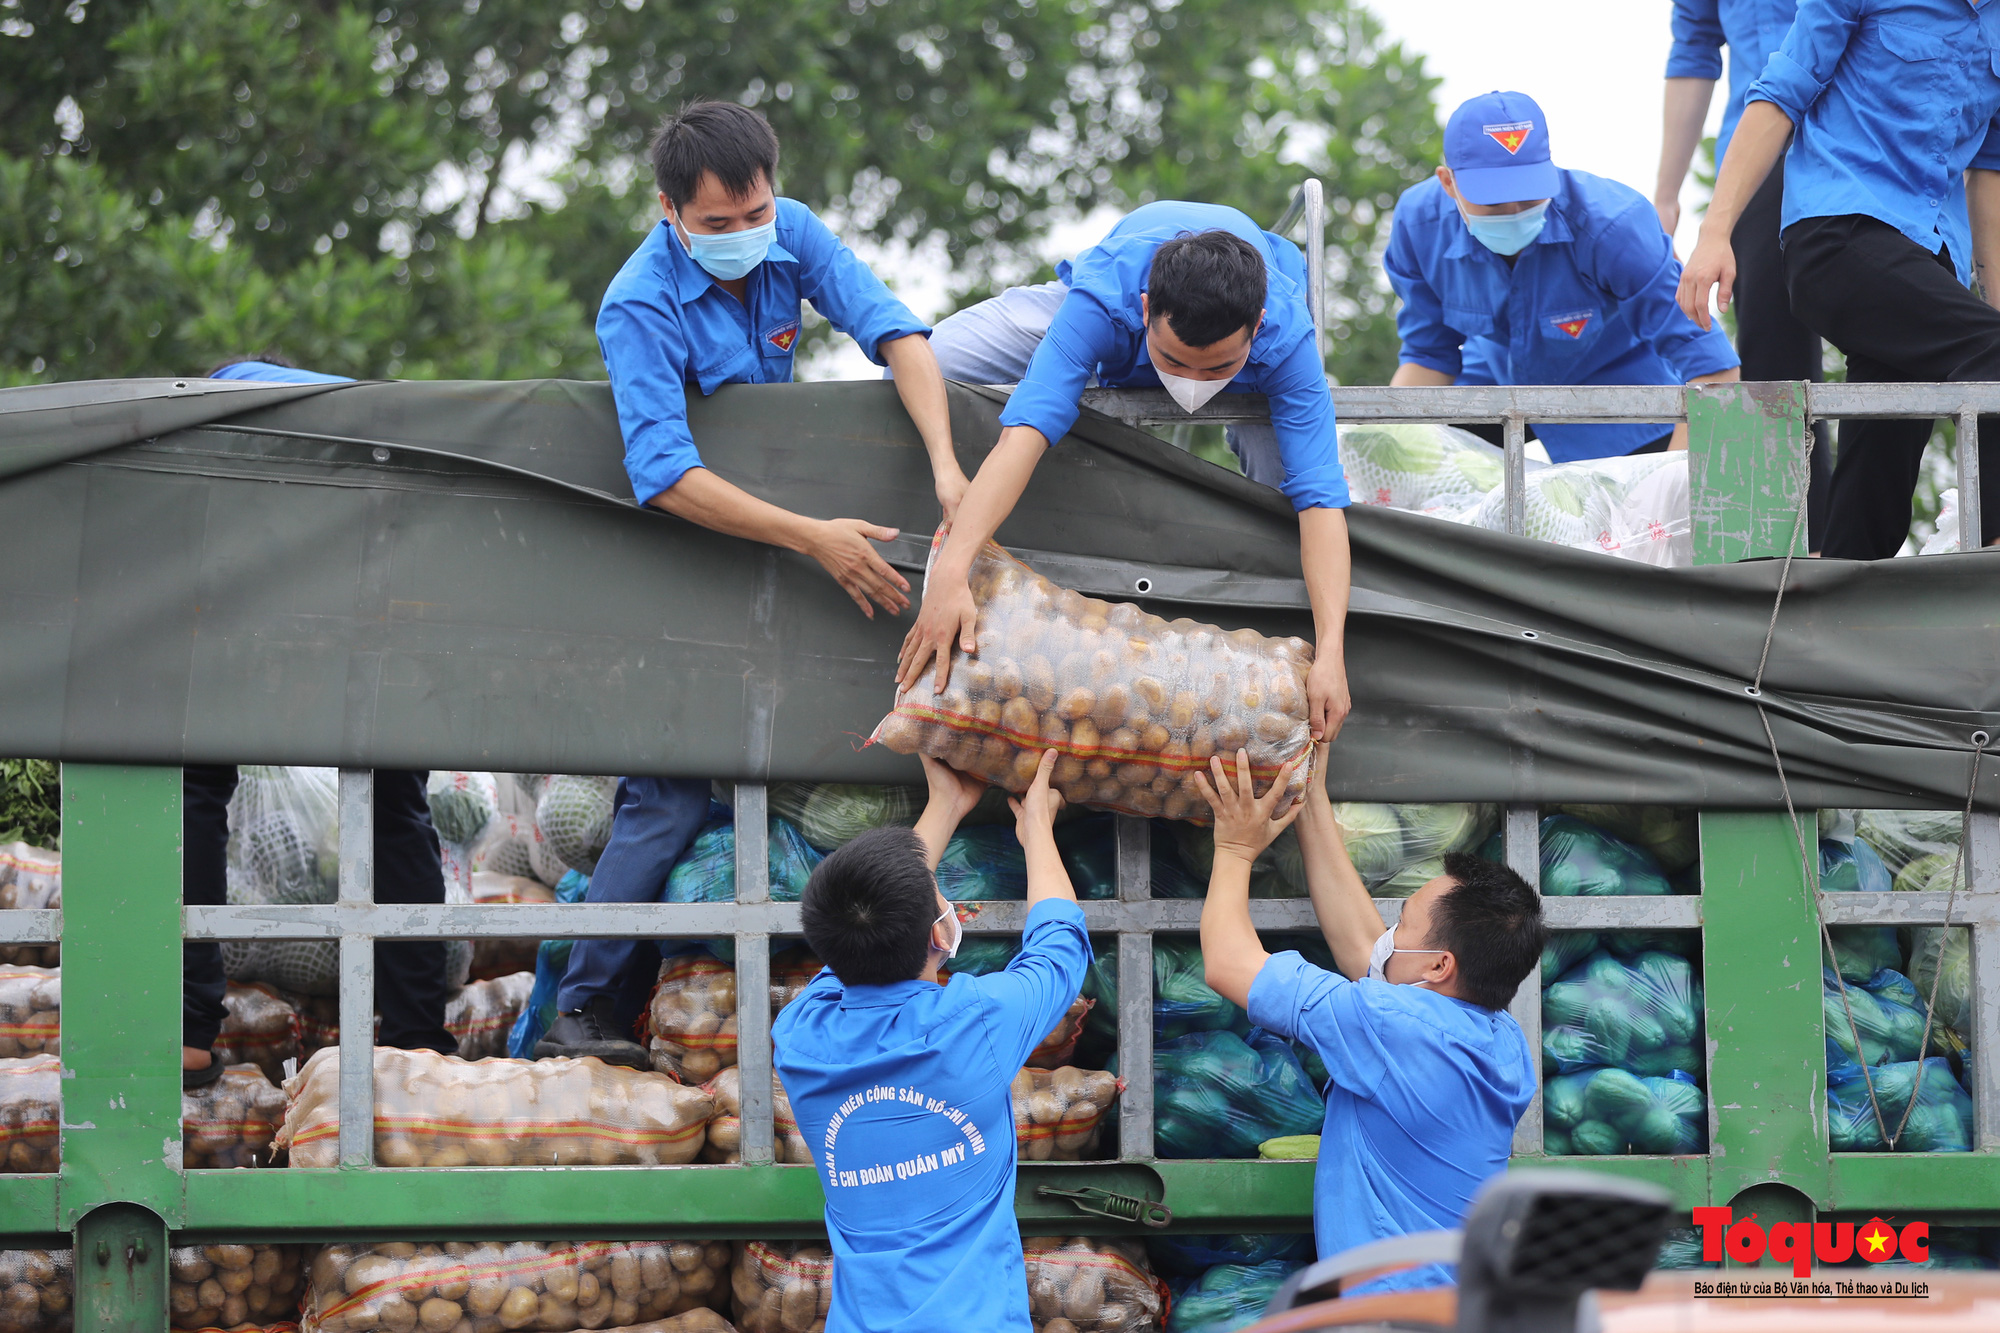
column 881, row 997
column 692, row 281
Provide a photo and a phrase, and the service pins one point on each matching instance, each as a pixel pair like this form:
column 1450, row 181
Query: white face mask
column 957, row 931
column 1190, row 394
column 1385, row 946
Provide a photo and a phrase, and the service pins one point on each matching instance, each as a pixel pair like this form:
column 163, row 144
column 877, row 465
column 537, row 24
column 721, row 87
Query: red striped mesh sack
column 232, row 1121
column 725, row 1128
column 1077, row 1284
column 31, row 1115
column 782, row 1286
column 1059, row 1113
column 234, row 1287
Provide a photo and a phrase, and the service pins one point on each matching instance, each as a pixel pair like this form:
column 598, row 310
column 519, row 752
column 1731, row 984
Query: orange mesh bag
column 30, row 1115
column 439, row 1110
column 725, row 1128
column 232, row 1121
column 261, row 1028
column 1077, row 1284
column 35, row 1291
column 782, row 1286
column 1058, row 1112
column 1134, row 704
column 555, row 1287
column 30, row 1011
column 234, row 1287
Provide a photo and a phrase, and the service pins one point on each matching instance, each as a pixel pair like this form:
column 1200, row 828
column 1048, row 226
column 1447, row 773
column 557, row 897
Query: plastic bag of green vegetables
column 1278, row 871
column 1852, row 866
column 1580, row 860
column 1606, row 1112
column 1682, row 1249
column 1182, row 1000
column 1902, row 837
column 1888, row 1017
column 1413, row 464
column 1229, row 1296
column 283, row 841
column 1941, row 1120
column 1642, row 1015
column 461, row 803
column 1566, row 948
column 1191, row 1256
column 1089, row 847
column 1216, row 1094
column 1669, row 832
column 707, row 872
column 1933, row 872
column 1396, row 849
column 1954, row 989
column 828, row 814
column 983, row 865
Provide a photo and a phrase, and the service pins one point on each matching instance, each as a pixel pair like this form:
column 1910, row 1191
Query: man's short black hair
column 1492, row 923
column 733, row 142
column 1207, row 285
column 268, row 358
column 868, row 908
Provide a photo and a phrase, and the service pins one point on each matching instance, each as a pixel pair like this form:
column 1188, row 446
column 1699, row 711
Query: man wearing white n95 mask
column 1192, row 298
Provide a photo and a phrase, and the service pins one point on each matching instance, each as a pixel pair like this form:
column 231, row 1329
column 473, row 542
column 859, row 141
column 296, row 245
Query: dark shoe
column 201, row 1078
column 592, row 1030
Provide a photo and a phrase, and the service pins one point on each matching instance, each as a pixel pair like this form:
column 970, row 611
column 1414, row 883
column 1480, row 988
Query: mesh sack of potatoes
column 439, row 1110
column 1134, row 704
column 1078, row 1284
column 691, row 1018
column 319, row 1022
column 488, row 1286
column 35, row 1290
column 725, row 1127
column 30, row 1115
column 483, row 1012
column 500, row 958
column 261, row 1028
column 232, row 1121
column 782, row 1286
column 30, row 1011
column 227, row 1286
column 30, row 878
column 1058, row 1113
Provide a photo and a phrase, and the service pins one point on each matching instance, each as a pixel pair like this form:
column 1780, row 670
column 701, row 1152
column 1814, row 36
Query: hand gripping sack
column 260, row 1028
column 1058, row 1113
column 30, row 1011
column 1134, row 705
column 725, row 1127
column 553, row 1286
column 1080, row 1284
column 30, row 878
column 438, row 1110
column 484, row 1012
column 229, row 1286
column 31, row 1114
column 782, row 1286
column 232, row 1121
column 36, row 1290
column 1229, row 1296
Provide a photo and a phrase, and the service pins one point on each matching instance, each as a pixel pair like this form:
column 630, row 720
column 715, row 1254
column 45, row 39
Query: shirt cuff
column 871, row 341
column 1438, row 361
column 1687, row 61
column 656, row 476
column 1706, row 355
column 1318, row 488
column 1786, row 86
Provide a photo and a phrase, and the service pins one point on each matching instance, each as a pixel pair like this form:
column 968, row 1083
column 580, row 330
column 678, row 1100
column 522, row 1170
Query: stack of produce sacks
column 232, row 1121
column 228, row 1286
column 1217, row 1094
column 438, row 1110
column 1605, row 1112
column 1080, row 1284
column 691, row 1018
column 30, row 1115
column 781, row 1286
column 502, row 958
column 30, row 1011
column 284, row 848
column 1059, row 1113
column 725, row 1126
column 1622, row 1052
column 1886, row 1033
column 482, row 1013
column 260, row 1027
column 36, row 1289
column 1134, row 705
column 30, row 879
column 552, row 1286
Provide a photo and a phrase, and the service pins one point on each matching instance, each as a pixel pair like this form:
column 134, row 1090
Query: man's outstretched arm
column 1346, row 914
column 1245, row 824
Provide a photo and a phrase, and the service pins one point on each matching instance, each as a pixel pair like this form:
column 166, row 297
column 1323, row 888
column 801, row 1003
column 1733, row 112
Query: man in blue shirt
column 1427, row 1073
column 1514, row 271
column 1192, row 298
column 1772, row 341
column 1892, row 203
column 901, row 1086
column 410, row 989
column 712, row 297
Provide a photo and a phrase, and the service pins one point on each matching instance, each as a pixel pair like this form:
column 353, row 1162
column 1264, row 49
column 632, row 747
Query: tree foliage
column 445, row 188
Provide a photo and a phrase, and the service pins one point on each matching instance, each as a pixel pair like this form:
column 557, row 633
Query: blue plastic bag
column 1216, row 1094
column 1887, row 1015
column 706, row 872
column 1229, row 1296
column 1940, row 1122
column 984, row 864
column 1642, row 1014
column 1606, row 1112
column 1191, row 1256
column 1582, row 860
column 551, row 961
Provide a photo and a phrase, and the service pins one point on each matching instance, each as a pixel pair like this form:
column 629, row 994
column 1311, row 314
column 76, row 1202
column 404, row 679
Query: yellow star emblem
column 1875, row 1241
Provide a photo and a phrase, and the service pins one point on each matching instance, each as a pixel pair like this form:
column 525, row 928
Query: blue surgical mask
column 1508, row 233
column 731, row 254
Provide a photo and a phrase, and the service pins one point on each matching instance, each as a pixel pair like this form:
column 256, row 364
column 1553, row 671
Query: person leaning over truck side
column 410, row 986
column 711, row 297
column 1427, row 1072
column 1512, row 270
column 1892, row 184
column 904, row 1085
column 1773, row 342
column 1194, row 298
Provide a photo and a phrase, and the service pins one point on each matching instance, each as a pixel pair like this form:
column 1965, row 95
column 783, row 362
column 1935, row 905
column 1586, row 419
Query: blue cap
column 1497, row 147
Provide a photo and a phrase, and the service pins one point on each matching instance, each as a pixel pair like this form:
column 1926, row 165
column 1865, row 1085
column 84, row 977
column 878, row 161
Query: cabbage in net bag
column 1642, row 1015
column 1418, row 465
column 574, row 815
column 461, row 804
column 725, row 1127
column 781, row 1286
column 1941, row 1121
column 1216, row 1094
column 30, row 1011
column 232, row 1121
column 438, row 1110
column 35, row 1291
column 31, row 1114
column 512, row 846
column 554, row 1286
column 260, row 1027
column 1954, row 990
column 225, row 1286
column 1229, row 1296
column 1607, row 1112
column 1579, row 859
column 1059, row 1113
column 30, row 878
column 1134, row 704
column 1078, row 1284
column 828, row 814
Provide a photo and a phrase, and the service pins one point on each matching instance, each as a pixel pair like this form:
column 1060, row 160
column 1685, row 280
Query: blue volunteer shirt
column 901, row 1091
column 265, row 372
column 1751, row 29
column 666, row 326
column 1423, row 1092
column 1591, row 301
column 1099, row 331
column 1891, row 100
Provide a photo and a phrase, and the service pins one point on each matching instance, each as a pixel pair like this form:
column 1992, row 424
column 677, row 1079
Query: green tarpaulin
column 454, row 575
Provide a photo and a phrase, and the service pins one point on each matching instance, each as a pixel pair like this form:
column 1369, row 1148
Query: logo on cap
column 1573, row 324
column 1510, row 136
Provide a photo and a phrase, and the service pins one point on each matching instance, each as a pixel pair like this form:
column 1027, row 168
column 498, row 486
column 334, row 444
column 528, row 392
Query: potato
column 1058, row 1112
column 30, row 1115
column 30, row 1012
column 1080, row 1285
column 231, row 1122
column 781, row 1287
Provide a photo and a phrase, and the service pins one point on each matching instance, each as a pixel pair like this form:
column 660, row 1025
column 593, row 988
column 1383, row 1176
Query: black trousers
column 1900, row 314
column 410, row 990
column 1773, row 342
